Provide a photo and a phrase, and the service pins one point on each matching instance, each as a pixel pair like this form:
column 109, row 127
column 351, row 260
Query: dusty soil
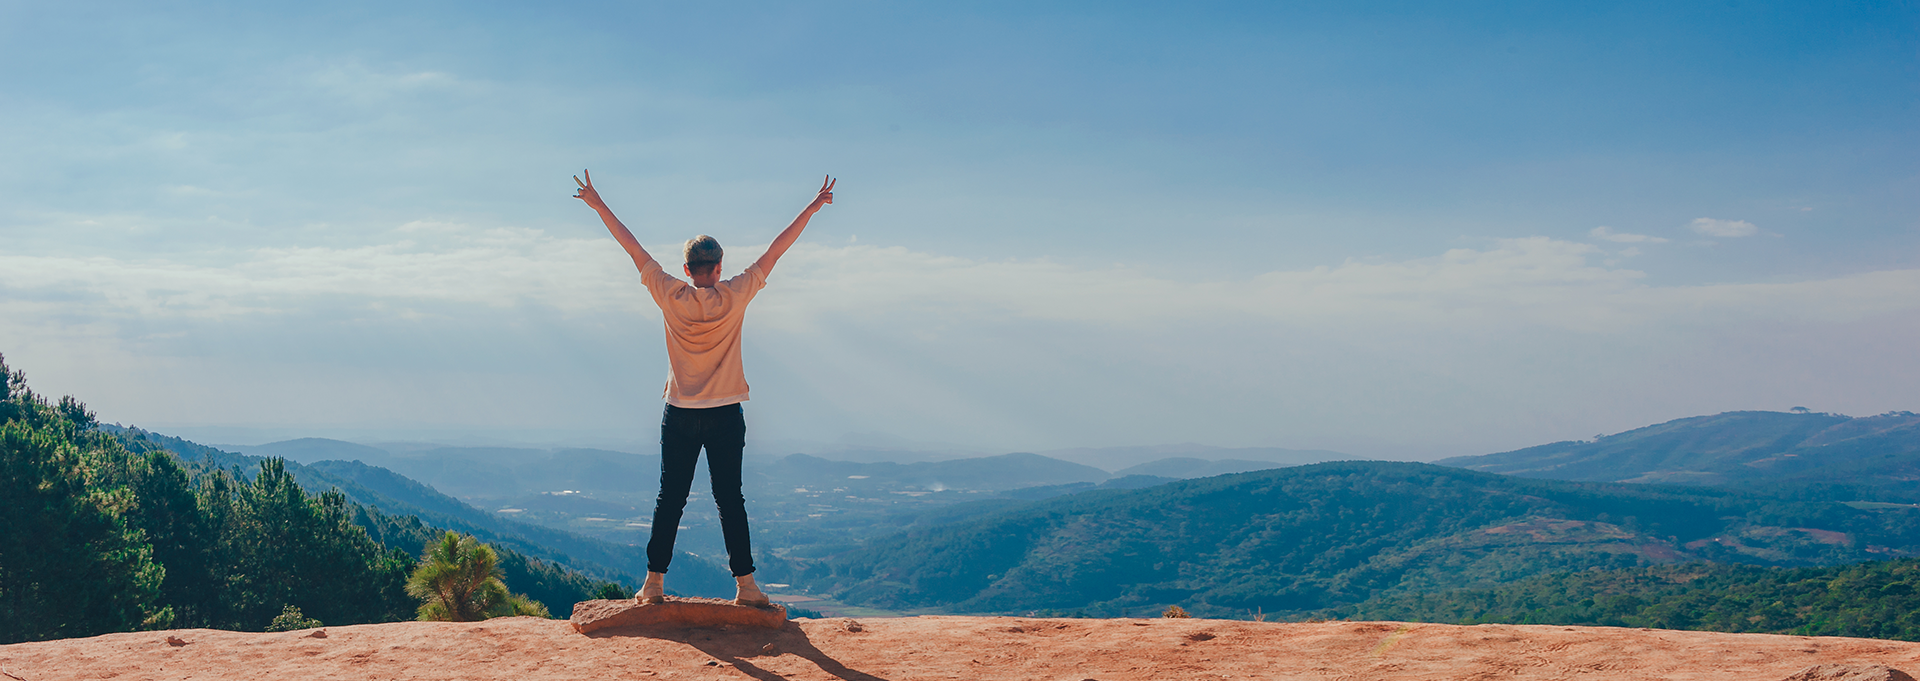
column 948, row 648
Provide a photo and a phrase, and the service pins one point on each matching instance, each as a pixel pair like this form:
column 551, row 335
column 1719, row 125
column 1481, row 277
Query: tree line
column 1879, row 599
column 102, row 534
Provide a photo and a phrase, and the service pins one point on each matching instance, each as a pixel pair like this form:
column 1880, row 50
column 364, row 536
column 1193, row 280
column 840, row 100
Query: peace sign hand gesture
column 825, row 196
column 587, row 192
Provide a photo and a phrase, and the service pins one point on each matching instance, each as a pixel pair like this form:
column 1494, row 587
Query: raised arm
column 619, row 230
column 792, row 232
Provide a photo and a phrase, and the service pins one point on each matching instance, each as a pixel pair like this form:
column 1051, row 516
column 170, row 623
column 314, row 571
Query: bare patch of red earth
column 948, row 648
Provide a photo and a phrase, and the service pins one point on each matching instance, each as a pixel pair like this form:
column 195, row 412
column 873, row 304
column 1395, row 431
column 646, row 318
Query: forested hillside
column 96, row 538
column 1299, row 540
column 101, row 534
column 397, row 495
column 1879, row 599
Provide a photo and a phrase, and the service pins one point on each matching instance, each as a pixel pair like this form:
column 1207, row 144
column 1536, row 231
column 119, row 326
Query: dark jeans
column 723, row 431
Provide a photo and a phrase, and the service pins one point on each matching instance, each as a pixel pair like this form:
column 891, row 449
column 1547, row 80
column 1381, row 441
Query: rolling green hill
column 1743, row 448
column 1879, row 599
column 1303, row 539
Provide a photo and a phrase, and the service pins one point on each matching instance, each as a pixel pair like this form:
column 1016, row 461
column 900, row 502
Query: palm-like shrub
column 459, row 581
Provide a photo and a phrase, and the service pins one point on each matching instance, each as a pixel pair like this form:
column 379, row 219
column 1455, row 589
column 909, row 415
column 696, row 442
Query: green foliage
column 612, row 592
column 1870, row 600
column 281, row 546
column 552, row 566
column 100, row 533
column 554, row 587
column 518, row 605
column 459, row 580
column 73, row 559
column 1300, row 540
column 797, row 613
column 291, row 619
column 103, row 529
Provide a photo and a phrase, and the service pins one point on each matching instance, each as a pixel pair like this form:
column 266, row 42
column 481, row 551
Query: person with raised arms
column 705, row 386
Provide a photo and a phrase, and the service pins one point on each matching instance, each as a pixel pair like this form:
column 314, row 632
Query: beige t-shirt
column 703, row 335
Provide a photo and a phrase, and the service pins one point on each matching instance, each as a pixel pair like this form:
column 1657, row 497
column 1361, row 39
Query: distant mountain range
column 1125, row 460
column 1741, row 448
column 1182, row 468
column 483, row 472
column 990, row 473
column 506, row 474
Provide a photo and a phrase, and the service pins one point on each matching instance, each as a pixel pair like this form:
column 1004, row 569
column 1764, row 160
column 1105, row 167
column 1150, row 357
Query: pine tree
column 168, row 512
column 70, row 562
column 280, row 546
column 459, row 580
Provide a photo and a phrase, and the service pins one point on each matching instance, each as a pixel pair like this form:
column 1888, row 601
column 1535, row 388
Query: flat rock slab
column 591, row 616
column 930, row 648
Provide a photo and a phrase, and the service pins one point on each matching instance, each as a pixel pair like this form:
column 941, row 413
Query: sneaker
column 654, row 592
column 748, row 593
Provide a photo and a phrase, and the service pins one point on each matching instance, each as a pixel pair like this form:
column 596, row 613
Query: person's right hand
column 826, row 194
column 588, row 194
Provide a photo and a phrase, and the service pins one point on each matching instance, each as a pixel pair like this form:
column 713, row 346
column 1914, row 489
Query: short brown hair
column 702, row 253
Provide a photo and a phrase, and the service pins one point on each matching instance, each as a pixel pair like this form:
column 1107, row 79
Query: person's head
column 703, row 257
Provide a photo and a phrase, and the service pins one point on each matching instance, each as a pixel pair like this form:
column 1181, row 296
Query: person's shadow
column 737, row 646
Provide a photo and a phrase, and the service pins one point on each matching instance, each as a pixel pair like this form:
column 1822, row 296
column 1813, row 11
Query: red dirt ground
column 948, row 648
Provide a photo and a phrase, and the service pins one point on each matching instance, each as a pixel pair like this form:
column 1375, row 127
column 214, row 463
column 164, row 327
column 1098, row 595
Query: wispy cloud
column 498, row 267
column 359, row 83
column 1724, row 228
column 1607, row 233
column 1533, row 280
column 855, row 337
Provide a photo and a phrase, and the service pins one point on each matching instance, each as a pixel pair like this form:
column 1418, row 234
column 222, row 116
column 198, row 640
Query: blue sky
column 1403, row 231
